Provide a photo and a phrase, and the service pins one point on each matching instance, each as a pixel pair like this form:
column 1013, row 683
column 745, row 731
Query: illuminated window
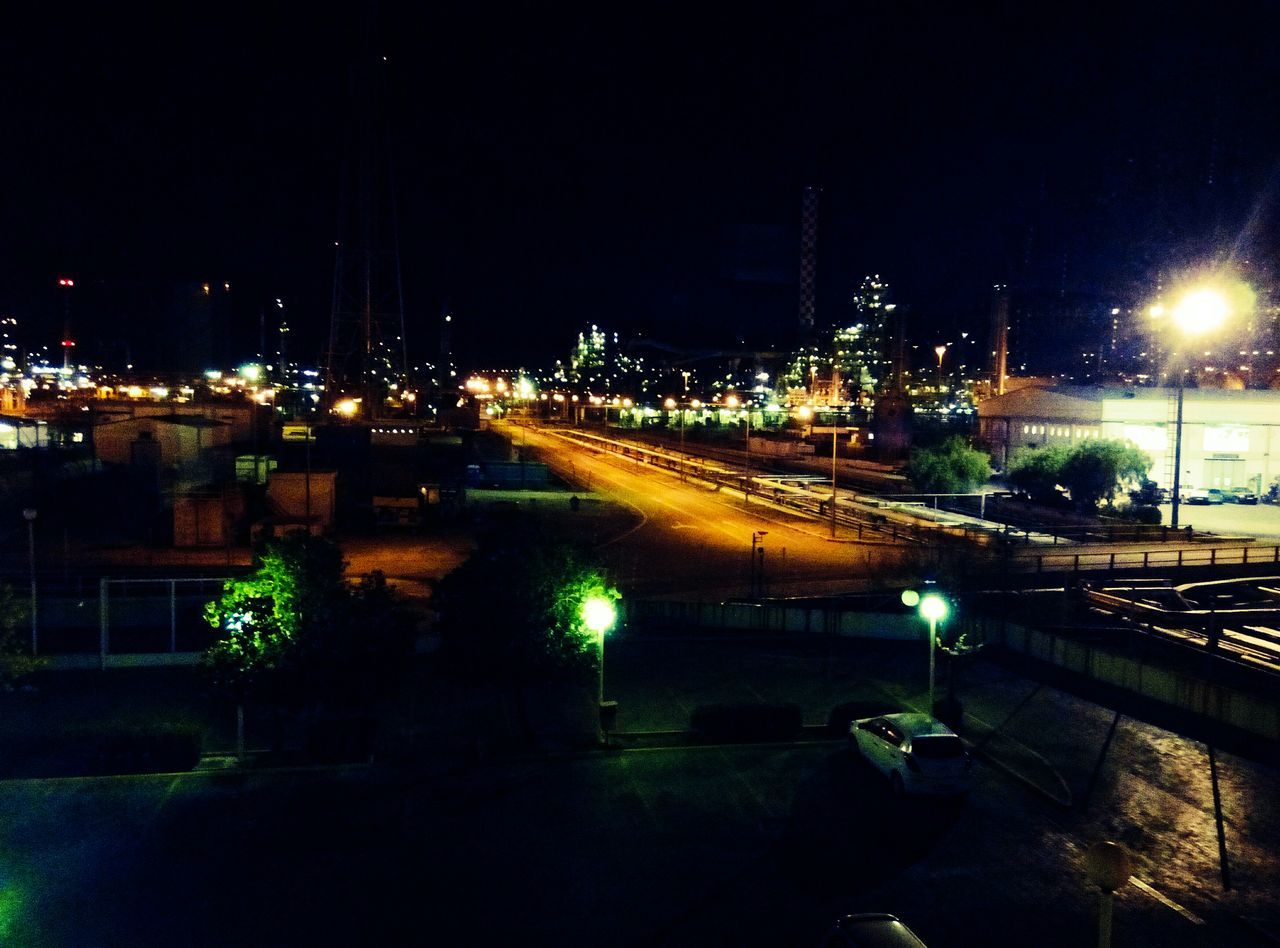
column 1232, row 439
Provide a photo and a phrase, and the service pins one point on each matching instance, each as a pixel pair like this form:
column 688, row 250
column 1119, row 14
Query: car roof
column 915, row 724
column 877, row 931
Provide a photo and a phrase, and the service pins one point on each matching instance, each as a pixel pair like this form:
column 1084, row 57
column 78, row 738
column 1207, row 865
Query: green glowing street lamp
column 599, row 615
column 933, row 608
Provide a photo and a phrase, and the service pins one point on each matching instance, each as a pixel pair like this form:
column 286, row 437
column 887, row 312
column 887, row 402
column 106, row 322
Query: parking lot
column 1258, row 520
column 665, row 844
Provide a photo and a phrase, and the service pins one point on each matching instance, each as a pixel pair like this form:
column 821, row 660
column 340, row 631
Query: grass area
column 71, row 723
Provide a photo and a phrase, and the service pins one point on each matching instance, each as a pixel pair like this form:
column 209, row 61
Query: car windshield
column 937, row 747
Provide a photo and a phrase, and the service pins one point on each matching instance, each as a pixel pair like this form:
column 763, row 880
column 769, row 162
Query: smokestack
column 999, row 337
column 808, row 259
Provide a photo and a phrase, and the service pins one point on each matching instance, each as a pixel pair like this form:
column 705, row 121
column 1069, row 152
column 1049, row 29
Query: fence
column 129, row 623
column 1244, row 554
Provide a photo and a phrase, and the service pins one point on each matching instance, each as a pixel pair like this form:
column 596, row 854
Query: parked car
column 1201, row 498
column 1239, row 495
column 1218, row 495
column 871, row 931
column 917, row 753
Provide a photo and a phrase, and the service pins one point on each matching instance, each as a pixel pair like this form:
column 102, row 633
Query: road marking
column 1189, row 915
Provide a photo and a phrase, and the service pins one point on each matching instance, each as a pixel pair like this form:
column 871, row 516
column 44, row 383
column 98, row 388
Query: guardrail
column 1242, row 555
column 866, row 526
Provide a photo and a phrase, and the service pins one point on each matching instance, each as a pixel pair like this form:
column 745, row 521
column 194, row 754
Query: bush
column 1146, row 514
column 110, row 747
column 747, row 722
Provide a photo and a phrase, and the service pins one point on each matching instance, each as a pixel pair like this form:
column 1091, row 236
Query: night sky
column 640, row 167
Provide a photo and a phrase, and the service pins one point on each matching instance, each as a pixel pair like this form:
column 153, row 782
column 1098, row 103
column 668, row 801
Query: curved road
column 694, row 540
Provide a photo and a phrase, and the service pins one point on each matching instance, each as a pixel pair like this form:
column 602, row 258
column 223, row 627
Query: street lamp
column 671, row 403
column 1197, row 312
column 29, row 514
column 599, row 615
column 932, row 607
column 834, row 428
column 757, row 571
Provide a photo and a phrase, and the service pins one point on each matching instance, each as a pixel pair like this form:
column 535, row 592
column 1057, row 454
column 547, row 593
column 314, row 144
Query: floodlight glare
column 910, row 598
column 598, row 614
column 933, row 607
column 1200, row 311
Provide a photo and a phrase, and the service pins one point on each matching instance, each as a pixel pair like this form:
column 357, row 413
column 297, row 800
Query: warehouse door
column 1224, row 472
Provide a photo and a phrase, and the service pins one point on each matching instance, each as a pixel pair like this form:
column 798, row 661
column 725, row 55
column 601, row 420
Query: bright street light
column 599, row 615
column 932, row 607
column 1198, row 311
column 1201, row 310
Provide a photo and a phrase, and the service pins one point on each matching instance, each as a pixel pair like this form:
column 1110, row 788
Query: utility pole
column 833, row 475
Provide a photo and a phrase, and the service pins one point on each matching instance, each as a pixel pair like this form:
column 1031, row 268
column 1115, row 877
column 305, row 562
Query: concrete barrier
column 1250, row 712
column 776, row 618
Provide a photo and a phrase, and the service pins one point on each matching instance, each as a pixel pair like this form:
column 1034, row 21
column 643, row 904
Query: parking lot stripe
column 1189, row 915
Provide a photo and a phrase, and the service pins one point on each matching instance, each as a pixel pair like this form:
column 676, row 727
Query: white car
column 919, row 754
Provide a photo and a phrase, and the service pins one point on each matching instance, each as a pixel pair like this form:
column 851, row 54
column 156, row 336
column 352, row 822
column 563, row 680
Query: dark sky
column 636, row 166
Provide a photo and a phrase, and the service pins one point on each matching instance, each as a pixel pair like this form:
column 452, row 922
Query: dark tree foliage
column 16, row 660
column 513, row 610
column 296, row 632
column 1092, row 470
column 1038, row 472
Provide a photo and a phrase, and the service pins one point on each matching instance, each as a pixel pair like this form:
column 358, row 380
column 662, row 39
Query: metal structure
column 808, row 259
column 366, row 364
column 999, row 337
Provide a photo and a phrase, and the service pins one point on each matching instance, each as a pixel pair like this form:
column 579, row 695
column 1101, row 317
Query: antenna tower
column 366, row 366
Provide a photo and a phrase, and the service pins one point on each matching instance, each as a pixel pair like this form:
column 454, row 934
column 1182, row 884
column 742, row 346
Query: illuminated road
column 692, row 539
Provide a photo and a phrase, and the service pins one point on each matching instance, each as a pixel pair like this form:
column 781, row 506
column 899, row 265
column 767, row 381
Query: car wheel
column 896, row 784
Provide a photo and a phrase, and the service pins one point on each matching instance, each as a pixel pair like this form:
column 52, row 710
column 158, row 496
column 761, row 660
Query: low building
column 1229, row 438
column 300, row 500
column 182, row 439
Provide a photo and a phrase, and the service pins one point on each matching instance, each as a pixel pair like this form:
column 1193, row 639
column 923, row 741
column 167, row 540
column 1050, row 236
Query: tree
column 16, row 660
column 952, row 468
column 1038, row 471
column 1091, row 470
column 294, row 632
column 512, row 614
column 513, row 611
column 1098, row 469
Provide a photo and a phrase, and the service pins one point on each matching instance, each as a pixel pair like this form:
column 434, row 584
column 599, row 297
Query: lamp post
column 932, row 608
column 732, row 402
column 1108, row 867
column 757, row 571
column 670, row 405
column 833, row 474
column 1199, row 311
column 29, row 514
column 599, row 615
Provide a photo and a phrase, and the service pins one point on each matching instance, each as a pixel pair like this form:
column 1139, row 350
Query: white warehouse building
column 1230, row 438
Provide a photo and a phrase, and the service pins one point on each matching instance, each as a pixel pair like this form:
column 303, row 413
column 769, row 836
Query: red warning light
column 68, row 343
column 66, row 282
